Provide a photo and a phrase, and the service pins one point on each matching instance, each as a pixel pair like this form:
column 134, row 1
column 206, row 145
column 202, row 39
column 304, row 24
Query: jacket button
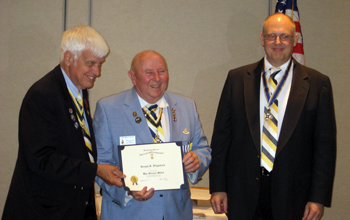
column 86, row 203
column 257, row 178
column 161, row 195
column 82, row 188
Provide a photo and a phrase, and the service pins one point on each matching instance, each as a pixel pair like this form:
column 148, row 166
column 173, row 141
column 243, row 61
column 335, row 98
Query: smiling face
column 149, row 74
column 84, row 70
column 278, row 52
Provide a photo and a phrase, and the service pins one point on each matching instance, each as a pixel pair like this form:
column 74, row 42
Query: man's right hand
column 142, row 195
column 110, row 174
column 218, row 202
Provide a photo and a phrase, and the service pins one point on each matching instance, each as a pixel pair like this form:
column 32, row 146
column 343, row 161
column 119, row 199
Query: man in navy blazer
column 120, row 117
column 55, row 172
column 301, row 180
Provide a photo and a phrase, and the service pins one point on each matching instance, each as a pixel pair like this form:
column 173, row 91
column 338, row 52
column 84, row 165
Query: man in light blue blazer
column 121, row 118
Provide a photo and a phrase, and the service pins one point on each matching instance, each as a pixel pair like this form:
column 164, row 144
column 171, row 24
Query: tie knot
column 274, row 71
column 152, row 108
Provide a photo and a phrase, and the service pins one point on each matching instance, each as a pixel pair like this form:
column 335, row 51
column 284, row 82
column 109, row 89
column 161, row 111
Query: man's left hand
column 313, row 211
column 191, row 162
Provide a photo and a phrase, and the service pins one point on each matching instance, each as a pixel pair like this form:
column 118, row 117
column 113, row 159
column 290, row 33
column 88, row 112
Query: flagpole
column 64, row 22
column 269, row 9
column 293, row 9
column 90, row 13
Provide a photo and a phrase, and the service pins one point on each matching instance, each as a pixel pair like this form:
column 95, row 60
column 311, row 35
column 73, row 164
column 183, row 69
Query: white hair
column 80, row 38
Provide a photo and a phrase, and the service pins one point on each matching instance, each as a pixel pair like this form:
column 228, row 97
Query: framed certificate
column 157, row 166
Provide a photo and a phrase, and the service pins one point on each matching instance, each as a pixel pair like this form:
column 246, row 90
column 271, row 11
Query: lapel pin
column 185, row 131
column 138, row 120
column 71, row 110
column 134, row 114
column 76, row 125
column 86, row 103
column 173, row 112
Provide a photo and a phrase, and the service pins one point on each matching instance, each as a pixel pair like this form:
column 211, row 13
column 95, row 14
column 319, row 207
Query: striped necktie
column 154, row 123
column 79, row 106
column 270, row 127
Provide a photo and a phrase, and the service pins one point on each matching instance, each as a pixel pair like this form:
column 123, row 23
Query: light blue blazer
column 114, row 118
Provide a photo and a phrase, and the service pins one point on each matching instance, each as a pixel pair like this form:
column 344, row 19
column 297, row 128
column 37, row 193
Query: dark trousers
column 264, row 210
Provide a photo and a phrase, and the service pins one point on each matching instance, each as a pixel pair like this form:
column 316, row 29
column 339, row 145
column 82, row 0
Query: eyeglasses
column 273, row 37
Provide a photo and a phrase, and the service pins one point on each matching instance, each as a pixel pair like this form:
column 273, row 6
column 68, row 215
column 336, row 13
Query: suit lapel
column 174, row 126
column 132, row 105
column 296, row 102
column 68, row 99
column 89, row 120
column 72, row 113
column 252, row 100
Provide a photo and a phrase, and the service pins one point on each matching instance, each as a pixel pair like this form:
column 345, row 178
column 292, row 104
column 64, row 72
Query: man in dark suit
column 274, row 139
column 55, row 169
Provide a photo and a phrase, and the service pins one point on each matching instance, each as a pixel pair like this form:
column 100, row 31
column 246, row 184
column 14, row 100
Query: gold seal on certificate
column 157, row 166
column 134, row 180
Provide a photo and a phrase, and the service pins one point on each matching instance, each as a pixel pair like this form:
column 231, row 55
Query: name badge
column 127, row 140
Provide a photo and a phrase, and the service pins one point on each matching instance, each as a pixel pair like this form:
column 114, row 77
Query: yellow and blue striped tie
column 270, row 127
column 154, row 122
column 78, row 101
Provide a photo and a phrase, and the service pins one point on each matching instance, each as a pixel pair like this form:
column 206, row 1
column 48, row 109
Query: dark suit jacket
column 305, row 158
column 53, row 177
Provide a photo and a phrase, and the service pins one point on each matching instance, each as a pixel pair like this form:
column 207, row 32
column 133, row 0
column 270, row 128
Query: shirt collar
column 162, row 103
column 268, row 66
column 70, row 85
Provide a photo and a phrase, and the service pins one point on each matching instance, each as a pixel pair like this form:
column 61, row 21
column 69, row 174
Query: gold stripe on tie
column 79, row 106
column 269, row 142
column 274, row 107
column 272, row 125
column 267, row 161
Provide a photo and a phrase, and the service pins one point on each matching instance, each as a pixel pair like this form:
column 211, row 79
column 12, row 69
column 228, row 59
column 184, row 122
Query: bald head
column 144, row 55
column 278, row 16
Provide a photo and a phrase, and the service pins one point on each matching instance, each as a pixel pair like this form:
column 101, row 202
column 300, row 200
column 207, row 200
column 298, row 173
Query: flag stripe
column 299, row 49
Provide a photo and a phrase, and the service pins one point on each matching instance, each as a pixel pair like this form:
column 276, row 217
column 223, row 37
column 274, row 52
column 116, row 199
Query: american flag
column 290, row 8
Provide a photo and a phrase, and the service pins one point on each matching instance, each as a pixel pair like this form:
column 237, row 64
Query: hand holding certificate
column 157, row 166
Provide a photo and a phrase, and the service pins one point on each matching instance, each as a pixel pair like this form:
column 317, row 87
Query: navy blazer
column 53, row 177
column 305, row 159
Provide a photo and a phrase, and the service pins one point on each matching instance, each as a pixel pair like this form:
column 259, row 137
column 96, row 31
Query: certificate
column 157, row 166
